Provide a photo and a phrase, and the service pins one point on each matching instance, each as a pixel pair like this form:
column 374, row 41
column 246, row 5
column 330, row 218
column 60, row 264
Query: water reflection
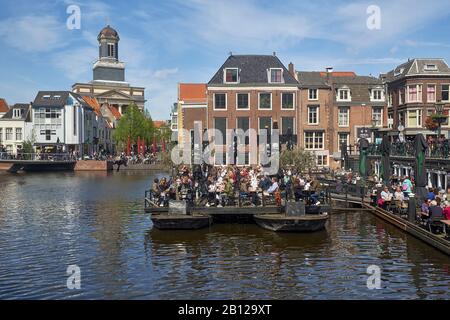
column 95, row 220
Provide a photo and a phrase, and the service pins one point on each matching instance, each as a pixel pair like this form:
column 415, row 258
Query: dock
column 436, row 241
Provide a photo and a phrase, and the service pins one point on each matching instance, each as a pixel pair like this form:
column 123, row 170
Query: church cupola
column 108, row 40
column 108, row 67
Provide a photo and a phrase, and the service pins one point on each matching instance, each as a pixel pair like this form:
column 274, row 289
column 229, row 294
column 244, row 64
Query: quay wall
column 93, row 165
column 5, row 166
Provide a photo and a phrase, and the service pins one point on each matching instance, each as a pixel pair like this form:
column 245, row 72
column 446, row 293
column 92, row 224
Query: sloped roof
column 319, row 79
column 51, row 99
column 26, row 114
column 159, row 123
column 3, row 105
column 311, row 79
column 115, row 112
column 192, row 92
column 417, row 67
column 253, row 69
column 93, row 103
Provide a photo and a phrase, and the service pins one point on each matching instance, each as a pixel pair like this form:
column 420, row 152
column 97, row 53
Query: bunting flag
column 138, row 145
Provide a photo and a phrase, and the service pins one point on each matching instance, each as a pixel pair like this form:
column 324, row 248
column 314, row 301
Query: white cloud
column 76, row 64
column 33, row 33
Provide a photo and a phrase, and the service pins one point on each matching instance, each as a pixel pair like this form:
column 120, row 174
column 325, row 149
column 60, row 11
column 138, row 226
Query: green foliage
column 27, row 147
column 134, row 124
column 298, row 159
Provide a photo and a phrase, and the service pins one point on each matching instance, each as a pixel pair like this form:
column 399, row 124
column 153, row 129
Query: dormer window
column 17, row 113
column 276, row 75
column 231, row 75
column 377, row 95
column 344, row 95
column 430, row 67
column 46, row 97
column 398, row 72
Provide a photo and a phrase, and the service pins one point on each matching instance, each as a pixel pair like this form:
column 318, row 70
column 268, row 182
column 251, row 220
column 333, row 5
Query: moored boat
column 180, row 221
column 283, row 223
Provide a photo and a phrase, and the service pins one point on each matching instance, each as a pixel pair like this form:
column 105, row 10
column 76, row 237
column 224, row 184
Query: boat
column 181, row 221
column 284, row 223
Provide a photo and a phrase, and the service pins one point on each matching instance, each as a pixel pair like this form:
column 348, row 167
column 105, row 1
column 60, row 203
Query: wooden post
column 346, row 195
column 263, row 198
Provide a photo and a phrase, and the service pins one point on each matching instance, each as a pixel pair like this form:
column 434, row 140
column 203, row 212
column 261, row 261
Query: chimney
column 292, row 69
column 329, row 75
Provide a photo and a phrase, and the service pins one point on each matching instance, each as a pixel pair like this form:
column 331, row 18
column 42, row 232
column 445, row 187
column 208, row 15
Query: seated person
column 436, row 210
column 155, row 191
column 274, row 186
column 229, row 188
column 315, row 191
column 398, row 194
column 385, row 194
column 446, row 210
column 425, row 207
column 185, row 189
column 211, row 185
column 431, row 194
column 265, row 183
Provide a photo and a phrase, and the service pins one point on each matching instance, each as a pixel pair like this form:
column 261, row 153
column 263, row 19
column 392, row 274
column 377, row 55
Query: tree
column 298, row 159
column 134, row 124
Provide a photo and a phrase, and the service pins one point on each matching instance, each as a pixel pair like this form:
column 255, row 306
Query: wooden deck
column 436, row 241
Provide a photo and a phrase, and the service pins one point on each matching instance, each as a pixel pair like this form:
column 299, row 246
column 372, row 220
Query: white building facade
column 15, row 128
column 62, row 122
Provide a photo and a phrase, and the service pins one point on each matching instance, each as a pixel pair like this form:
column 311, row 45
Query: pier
column 406, row 223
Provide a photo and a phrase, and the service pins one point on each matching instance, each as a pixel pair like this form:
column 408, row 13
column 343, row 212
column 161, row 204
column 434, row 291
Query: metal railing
column 37, row 156
column 436, row 149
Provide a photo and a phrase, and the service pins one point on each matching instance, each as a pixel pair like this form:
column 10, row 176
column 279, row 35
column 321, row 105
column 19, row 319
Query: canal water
column 50, row 221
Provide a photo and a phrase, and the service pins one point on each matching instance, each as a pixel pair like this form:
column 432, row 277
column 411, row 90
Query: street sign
column 363, row 133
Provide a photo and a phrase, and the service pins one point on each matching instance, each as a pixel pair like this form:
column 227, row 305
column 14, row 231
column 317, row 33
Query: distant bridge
column 36, row 162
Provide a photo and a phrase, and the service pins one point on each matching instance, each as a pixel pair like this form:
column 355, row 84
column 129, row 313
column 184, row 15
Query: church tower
column 108, row 85
column 108, row 67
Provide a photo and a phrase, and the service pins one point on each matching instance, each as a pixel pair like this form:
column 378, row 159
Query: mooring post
column 412, row 209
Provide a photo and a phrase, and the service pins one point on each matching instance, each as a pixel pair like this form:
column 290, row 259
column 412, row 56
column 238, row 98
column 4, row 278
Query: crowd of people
column 394, row 197
column 232, row 185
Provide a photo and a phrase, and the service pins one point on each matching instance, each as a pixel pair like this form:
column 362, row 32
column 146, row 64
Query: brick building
column 413, row 90
column 338, row 107
column 191, row 107
column 252, row 92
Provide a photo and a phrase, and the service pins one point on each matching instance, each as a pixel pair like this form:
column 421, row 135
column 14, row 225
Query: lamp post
column 440, row 118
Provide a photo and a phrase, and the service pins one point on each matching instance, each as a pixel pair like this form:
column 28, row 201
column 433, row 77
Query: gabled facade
column 413, row 89
column 252, row 92
column 102, row 128
column 16, row 128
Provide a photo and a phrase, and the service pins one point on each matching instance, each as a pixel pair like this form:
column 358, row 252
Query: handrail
column 37, row 156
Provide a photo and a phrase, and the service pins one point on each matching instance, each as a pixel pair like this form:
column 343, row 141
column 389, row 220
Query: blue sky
column 167, row 42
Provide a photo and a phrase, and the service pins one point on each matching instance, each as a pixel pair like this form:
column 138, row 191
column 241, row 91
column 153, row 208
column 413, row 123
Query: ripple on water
column 95, row 221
